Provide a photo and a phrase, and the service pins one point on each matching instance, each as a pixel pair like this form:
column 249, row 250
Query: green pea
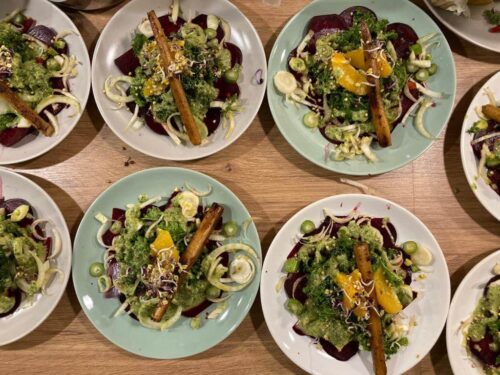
column 307, row 226
column 311, row 120
column 59, row 44
column 422, row 75
column 230, row 229
column 410, row 247
column 291, row 265
column 96, row 269
column 53, row 65
column 297, row 64
column 212, row 292
column 294, row 306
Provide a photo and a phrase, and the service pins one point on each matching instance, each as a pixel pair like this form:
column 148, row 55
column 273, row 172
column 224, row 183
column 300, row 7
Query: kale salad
column 482, row 330
column 330, row 74
column 327, row 294
column 204, row 60
column 36, row 64
column 143, row 260
column 27, row 255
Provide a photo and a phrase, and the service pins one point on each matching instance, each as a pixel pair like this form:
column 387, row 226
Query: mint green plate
column 181, row 340
column 408, row 144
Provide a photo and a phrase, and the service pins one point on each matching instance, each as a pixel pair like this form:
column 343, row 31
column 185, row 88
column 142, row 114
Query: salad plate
column 99, row 248
column 324, row 113
column 220, row 62
column 42, row 267
column 474, row 27
column 465, row 316
column 45, row 61
column 296, row 306
column 482, row 175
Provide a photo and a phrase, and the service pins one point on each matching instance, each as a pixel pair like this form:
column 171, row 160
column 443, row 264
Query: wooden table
column 274, row 182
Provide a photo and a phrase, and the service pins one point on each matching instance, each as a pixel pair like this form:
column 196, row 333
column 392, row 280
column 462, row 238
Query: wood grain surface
column 274, row 182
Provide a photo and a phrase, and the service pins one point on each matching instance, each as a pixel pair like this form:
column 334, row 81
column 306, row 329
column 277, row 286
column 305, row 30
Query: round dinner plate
column 486, row 195
column 46, row 13
column 181, row 340
column 474, row 28
column 464, row 302
column 408, row 144
column 30, row 315
column 430, row 310
column 116, row 38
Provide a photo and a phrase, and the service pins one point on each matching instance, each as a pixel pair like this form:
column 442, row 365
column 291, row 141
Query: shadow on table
column 438, row 354
column 454, row 170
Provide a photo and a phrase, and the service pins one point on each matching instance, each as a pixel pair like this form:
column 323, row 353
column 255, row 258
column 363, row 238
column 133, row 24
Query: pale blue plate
column 181, row 340
column 408, row 144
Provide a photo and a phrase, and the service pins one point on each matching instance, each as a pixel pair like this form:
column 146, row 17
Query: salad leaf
column 492, row 16
column 138, row 42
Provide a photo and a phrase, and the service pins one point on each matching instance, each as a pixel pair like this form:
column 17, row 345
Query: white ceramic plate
column 474, row 28
column 486, row 195
column 46, row 13
column 464, row 302
column 28, row 317
column 116, row 38
column 430, row 308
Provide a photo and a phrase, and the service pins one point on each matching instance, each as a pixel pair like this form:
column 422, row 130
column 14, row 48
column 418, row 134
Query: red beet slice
column 492, row 280
column 236, row 55
column 378, row 223
column 493, row 127
column 11, row 204
column 28, row 23
column 16, row 293
column 113, row 272
column 226, row 90
column 290, row 282
column 405, row 39
column 200, row 20
column 212, row 119
column 9, row 137
column 298, row 289
column 347, row 352
column 296, row 328
column 406, row 104
column 326, row 24
column 153, row 125
column 43, row 34
column 118, row 215
column 481, row 349
column 48, row 246
column 168, row 26
column 128, row 62
column 348, row 14
column 194, row 311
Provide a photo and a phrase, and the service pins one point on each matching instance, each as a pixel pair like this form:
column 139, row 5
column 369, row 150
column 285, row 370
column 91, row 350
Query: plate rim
column 256, row 247
column 457, row 31
column 66, row 234
column 331, row 167
column 254, row 111
column 454, row 301
column 465, row 148
column 359, row 196
column 83, row 102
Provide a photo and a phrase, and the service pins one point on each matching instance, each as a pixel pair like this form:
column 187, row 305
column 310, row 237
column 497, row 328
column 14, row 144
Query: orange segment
column 352, row 287
column 386, row 295
column 348, row 76
column 164, row 240
column 357, row 59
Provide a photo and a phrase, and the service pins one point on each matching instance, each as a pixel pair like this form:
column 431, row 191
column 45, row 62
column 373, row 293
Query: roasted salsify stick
column 176, row 86
column 379, row 118
column 24, row 110
column 362, row 255
column 193, row 251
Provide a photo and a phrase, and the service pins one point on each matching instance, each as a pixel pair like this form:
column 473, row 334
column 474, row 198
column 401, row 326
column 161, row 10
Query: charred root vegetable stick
column 491, row 112
column 362, row 255
column 379, row 118
column 177, row 90
column 24, row 110
column 193, row 251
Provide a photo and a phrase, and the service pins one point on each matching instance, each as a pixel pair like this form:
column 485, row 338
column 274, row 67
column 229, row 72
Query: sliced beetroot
column 118, row 215
column 298, row 289
column 406, row 104
column 43, row 34
column 113, row 272
column 194, row 311
column 296, row 328
column 347, row 352
column 322, row 130
column 11, row 204
column 236, row 55
column 28, row 23
column 220, row 33
column 405, row 39
column 482, row 350
column 491, row 281
column 326, row 24
column 16, row 293
column 212, row 119
column 290, row 282
column 128, row 62
column 200, row 20
column 153, row 125
column 348, row 14
column 226, row 90
column 493, row 127
column 494, row 176
column 168, row 26
column 107, row 237
column 9, row 137
column 47, row 244
column 297, row 75
column 387, row 230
